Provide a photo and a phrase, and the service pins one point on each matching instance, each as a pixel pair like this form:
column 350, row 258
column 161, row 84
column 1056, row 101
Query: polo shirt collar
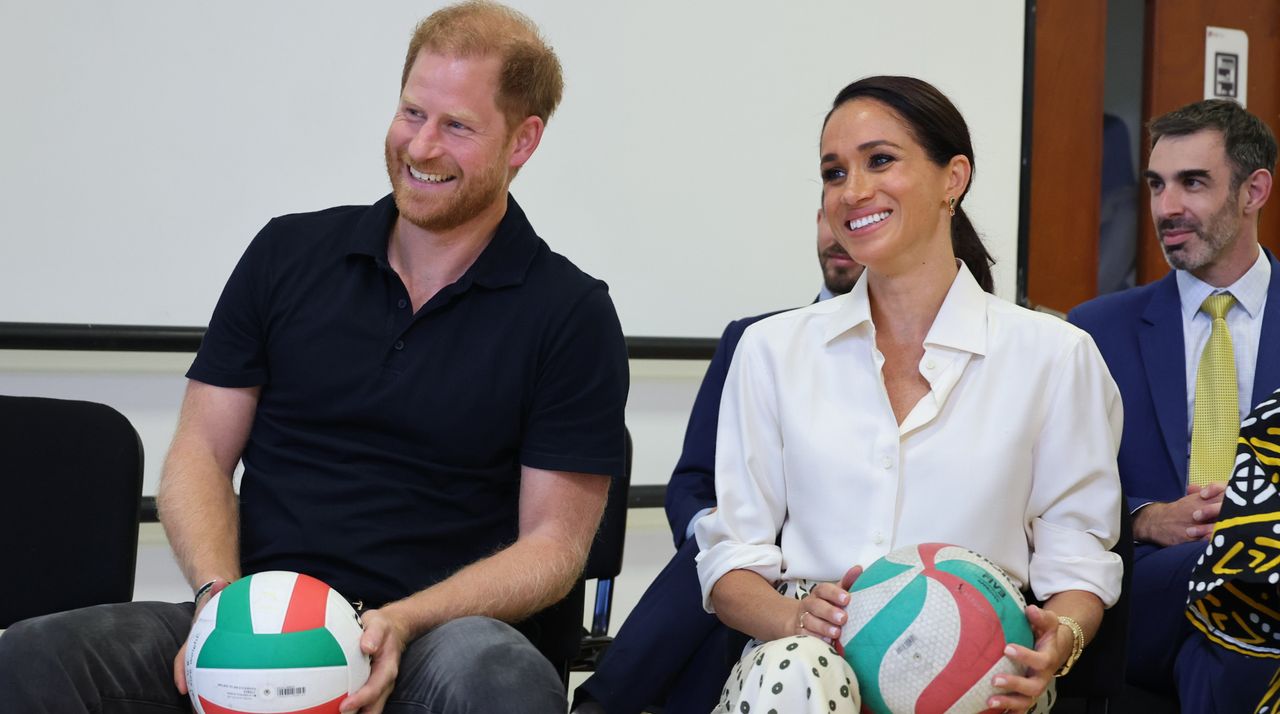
column 374, row 228
column 504, row 261
column 961, row 322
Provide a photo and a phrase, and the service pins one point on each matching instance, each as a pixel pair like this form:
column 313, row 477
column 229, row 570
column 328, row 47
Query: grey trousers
column 118, row 659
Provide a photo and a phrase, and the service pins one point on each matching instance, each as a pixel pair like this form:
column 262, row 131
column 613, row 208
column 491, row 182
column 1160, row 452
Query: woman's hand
column 1053, row 645
column 821, row 612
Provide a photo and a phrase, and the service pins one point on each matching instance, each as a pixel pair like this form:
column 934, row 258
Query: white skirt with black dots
column 798, row 674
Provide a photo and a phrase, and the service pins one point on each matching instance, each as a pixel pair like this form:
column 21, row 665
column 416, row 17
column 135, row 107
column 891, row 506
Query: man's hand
column 384, row 640
column 1187, row 519
column 180, row 659
column 821, row 612
column 1041, row 663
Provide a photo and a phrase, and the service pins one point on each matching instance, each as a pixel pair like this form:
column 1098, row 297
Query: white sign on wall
column 1226, row 64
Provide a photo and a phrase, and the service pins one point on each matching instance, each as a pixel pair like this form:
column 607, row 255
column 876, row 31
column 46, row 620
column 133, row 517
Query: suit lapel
column 1160, row 341
column 1266, row 372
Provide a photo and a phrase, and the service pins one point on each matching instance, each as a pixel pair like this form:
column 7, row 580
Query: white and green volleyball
column 275, row 643
column 927, row 629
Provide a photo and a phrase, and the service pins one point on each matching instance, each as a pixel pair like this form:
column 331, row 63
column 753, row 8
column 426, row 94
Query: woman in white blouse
column 917, row 408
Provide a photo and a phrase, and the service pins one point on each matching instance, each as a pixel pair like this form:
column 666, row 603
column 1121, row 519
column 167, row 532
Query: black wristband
column 204, row 590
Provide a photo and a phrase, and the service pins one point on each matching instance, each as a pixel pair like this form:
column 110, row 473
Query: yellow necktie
column 1216, row 425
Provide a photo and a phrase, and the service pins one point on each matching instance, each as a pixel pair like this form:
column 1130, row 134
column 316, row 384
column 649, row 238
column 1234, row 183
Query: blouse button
column 886, row 462
column 879, row 538
column 930, row 365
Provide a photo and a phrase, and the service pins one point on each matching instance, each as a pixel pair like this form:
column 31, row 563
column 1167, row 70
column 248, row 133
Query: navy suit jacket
column 1139, row 333
column 693, row 483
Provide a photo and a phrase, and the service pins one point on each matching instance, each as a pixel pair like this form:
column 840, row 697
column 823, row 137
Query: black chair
column 604, row 563
column 69, row 517
column 1097, row 679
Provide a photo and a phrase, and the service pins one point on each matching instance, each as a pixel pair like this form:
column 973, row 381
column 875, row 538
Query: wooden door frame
column 1060, row 202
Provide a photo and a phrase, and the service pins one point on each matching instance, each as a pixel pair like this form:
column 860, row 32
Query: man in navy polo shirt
column 427, row 402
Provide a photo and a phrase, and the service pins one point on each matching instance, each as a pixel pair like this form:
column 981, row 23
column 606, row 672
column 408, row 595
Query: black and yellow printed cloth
column 1270, row 700
column 1234, row 596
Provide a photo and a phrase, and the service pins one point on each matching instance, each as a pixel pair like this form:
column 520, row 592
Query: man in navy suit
column 669, row 647
column 1210, row 173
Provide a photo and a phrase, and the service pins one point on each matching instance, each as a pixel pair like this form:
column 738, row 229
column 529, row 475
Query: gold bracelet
column 1077, row 644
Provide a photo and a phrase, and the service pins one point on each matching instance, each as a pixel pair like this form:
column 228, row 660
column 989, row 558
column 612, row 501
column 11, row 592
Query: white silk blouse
column 1011, row 453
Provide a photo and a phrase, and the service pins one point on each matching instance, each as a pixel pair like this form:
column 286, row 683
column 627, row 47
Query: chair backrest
column 557, row 630
column 604, row 563
column 605, row 558
column 72, row 480
column 1099, row 673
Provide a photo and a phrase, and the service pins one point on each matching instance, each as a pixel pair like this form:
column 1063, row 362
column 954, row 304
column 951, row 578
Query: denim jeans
column 118, row 659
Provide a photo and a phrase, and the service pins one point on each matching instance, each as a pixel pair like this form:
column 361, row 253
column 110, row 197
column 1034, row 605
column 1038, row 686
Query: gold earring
column 951, row 206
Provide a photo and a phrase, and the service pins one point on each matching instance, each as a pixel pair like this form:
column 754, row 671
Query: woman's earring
column 951, row 206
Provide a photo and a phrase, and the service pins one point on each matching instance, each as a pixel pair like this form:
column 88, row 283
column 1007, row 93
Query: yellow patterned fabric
column 1270, row 703
column 1216, row 423
column 1235, row 586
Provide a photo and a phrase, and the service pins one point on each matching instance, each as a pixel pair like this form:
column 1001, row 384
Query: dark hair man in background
column 428, row 403
column 1191, row 354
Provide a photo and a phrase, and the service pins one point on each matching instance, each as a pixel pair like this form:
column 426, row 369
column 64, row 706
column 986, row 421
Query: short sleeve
column 1075, row 494
column 576, row 418
column 750, row 487
column 233, row 351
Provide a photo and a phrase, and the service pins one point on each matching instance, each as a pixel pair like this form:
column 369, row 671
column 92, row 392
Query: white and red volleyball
column 275, row 643
column 927, row 629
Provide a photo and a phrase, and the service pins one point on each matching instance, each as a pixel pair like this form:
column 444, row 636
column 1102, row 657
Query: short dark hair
column 941, row 131
column 1249, row 142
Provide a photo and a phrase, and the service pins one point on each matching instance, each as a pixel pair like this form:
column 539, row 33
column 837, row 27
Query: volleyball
column 275, row 643
column 927, row 629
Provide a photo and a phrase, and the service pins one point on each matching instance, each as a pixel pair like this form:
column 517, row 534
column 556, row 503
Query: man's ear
column 1255, row 190
column 524, row 140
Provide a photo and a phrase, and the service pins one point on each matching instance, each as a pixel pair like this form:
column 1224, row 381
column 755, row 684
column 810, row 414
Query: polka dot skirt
column 800, row 675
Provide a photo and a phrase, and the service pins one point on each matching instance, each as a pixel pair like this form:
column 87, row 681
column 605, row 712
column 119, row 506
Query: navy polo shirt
column 386, row 449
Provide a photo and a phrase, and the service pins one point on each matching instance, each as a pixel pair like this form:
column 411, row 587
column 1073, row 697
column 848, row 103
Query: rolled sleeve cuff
column 1066, row 559
column 764, row 560
column 693, row 521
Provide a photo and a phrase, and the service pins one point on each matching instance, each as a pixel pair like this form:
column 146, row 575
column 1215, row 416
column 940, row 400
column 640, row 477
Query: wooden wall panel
column 1175, row 76
column 1066, row 152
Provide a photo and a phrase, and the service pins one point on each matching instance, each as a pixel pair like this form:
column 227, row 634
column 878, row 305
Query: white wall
column 145, row 142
